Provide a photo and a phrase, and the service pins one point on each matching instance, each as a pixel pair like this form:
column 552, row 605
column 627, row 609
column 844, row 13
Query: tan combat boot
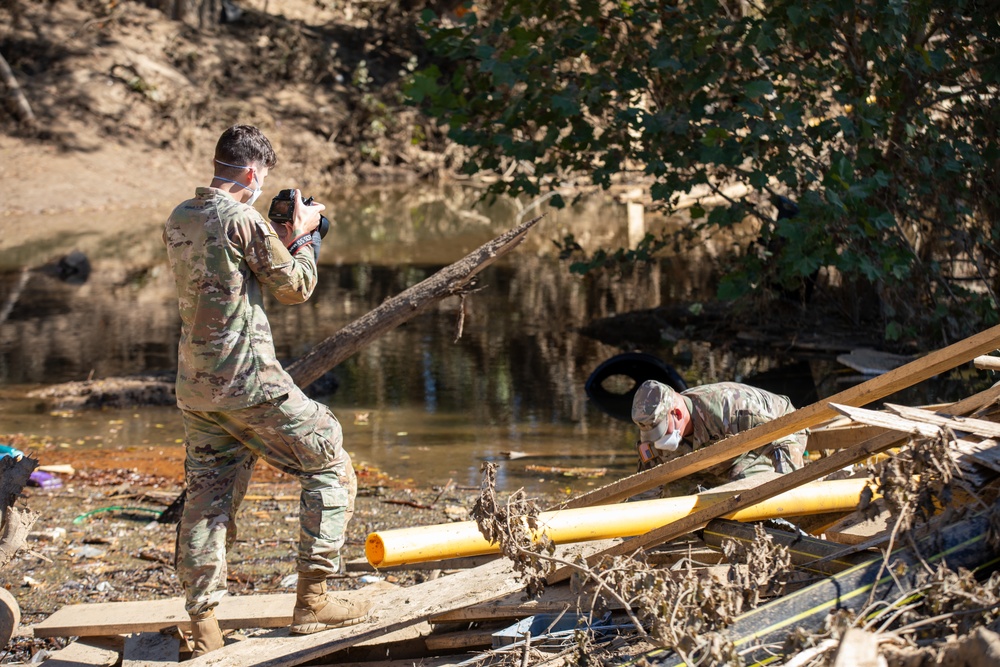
column 205, row 633
column 315, row 610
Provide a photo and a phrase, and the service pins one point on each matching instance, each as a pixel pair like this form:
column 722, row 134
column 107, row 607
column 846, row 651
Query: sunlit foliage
column 877, row 117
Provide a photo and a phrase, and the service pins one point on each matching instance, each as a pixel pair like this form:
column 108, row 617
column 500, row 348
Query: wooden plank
column 981, row 427
column 860, row 527
column 81, row 653
column 840, row 437
column 393, row 609
column 553, row 600
column 107, row 618
column 862, row 394
column 891, row 422
column 985, row 453
column 150, row 649
column 362, row 564
column 807, row 473
column 463, row 639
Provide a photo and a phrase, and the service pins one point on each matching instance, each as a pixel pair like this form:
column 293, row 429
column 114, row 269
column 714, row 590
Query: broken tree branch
column 19, row 102
column 448, row 281
column 14, row 523
column 17, row 524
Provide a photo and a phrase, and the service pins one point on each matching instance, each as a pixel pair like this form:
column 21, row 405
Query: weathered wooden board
column 888, row 421
column 840, row 437
column 83, row 654
column 981, row 427
column 107, row 618
column 986, row 453
column 553, row 600
column 150, row 649
column 862, row 394
column 464, row 639
column 393, row 609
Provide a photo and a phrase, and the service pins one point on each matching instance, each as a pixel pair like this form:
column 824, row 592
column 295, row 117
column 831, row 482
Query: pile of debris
column 902, row 577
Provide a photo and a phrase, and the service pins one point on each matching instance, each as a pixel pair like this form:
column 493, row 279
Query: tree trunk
column 448, row 281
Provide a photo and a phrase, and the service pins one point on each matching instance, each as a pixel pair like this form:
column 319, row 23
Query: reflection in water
column 417, row 402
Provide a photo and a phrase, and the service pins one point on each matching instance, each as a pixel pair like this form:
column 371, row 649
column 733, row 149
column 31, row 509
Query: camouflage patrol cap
column 652, row 401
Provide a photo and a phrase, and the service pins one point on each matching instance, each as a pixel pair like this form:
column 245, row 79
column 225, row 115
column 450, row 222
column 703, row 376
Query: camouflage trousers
column 291, row 433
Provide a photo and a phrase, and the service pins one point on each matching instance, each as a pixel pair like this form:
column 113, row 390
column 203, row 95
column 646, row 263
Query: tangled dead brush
column 513, row 526
column 682, row 610
column 945, row 614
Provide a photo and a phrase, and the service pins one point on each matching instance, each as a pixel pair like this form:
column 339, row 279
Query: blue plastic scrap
column 13, row 452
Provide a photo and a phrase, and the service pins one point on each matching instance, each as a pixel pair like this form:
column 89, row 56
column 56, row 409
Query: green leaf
column 759, row 88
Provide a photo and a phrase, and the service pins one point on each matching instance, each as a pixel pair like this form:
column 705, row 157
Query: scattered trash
column 370, row 579
column 290, row 581
column 46, row 480
column 54, row 535
column 41, row 656
column 87, row 551
column 115, row 508
column 104, row 587
column 13, row 452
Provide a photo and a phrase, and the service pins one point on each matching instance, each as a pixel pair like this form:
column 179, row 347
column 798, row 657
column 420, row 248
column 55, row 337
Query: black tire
column 639, row 367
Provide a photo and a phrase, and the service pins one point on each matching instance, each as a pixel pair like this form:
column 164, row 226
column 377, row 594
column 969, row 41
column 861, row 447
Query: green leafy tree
column 878, row 117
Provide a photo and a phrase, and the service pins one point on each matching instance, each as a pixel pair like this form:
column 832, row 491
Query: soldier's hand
column 306, row 218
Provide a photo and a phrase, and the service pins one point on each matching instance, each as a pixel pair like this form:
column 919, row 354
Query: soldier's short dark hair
column 244, row 145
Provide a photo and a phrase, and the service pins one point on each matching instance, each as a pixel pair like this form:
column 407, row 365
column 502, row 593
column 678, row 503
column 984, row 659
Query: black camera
column 283, row 210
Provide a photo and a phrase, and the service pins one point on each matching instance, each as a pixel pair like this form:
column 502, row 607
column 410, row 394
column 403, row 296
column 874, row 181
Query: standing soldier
column 238, row 403
column 672, row 424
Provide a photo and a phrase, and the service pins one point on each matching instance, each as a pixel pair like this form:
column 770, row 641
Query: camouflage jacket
column 723, row 409
column 222, row 254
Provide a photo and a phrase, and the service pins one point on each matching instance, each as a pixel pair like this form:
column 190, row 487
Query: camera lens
column 324, row 226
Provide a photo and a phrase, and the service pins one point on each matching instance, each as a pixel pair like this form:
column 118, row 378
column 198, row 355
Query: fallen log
column 451, row 280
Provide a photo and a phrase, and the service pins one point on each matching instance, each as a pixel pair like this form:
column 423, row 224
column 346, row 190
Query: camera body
column 283, row 210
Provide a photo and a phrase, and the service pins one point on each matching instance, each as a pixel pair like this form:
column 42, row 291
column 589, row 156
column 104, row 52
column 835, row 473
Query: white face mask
column 256, row 192
column 670, row 441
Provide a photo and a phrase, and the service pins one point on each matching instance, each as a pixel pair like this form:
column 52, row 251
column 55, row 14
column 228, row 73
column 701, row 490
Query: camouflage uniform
column 238, row 403
column 720, row 410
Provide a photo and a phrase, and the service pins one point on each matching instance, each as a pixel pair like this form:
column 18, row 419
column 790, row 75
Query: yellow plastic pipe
column 455, row 540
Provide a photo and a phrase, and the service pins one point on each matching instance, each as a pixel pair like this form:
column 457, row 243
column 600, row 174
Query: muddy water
column 418, row 403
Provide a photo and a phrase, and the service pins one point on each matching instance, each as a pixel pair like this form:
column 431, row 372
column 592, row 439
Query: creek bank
column 97, row 538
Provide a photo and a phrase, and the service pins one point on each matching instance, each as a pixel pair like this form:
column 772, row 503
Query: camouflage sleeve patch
column 289, row 279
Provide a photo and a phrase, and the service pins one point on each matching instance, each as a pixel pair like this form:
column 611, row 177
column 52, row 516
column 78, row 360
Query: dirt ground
column 97, row 538
column 128, row 105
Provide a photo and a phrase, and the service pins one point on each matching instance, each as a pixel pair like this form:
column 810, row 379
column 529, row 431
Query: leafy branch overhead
column 876, row 118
